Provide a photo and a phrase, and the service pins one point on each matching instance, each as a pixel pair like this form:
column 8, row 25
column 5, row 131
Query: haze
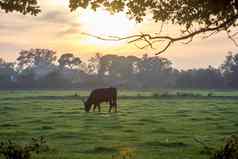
column 59, row 29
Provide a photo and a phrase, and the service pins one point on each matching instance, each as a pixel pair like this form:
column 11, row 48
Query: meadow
column 148, row 125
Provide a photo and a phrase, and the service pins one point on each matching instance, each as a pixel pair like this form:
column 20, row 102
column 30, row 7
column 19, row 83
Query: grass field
column 147, row 128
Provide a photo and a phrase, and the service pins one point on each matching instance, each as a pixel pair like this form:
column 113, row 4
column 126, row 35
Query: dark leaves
column 12, row 150
column 21, row 6
column 183, row 12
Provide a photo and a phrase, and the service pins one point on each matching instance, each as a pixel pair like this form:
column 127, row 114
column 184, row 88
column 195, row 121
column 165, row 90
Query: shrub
column 187, row 94
column 138, row 95
column 198, row 95
column 178, row 94
column 125, row 153
column 229, row 150
column 210, row 94
column 12, row 150
column 155, row 95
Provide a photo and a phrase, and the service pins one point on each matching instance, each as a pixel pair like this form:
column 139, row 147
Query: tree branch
column 231, row 38
column 151, row 39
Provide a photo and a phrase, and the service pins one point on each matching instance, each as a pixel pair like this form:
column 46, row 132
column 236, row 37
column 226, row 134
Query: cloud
column 58, row 17
column 72, row 29
column 65, row 23
column 7, row 26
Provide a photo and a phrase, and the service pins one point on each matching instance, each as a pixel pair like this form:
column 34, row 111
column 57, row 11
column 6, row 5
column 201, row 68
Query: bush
column 210, row 94
column 229, row 150
column 138, row 95
column 187, row 94
column 125, row 153
column 12, row 150
column 155, row 95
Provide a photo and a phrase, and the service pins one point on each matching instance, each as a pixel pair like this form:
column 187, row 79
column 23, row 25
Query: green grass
column 61, row 93
column 152, row 128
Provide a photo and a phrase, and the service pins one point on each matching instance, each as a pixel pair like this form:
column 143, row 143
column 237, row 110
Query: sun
column 102, row 23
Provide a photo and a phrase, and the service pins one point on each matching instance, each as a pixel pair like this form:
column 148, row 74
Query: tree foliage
column 229, row 150
column 193, row 16
column 6, row 71
column 118, row 67
column 183, row 12
column 38, row 68
column 12, row 150
column 69, row 60
column 36, row 58
column 230, row 70
column 21, row 6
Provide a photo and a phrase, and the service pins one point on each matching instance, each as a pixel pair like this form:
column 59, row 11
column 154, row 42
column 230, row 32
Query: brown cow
column 98, row 96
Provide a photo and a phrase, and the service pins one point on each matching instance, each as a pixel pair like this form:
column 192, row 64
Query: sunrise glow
column 58, row 28
column 102, row 23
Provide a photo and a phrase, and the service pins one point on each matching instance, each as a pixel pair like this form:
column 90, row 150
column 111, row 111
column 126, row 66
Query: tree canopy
column 21, row 6
column 69, row 60
column 36, row 58
column 41, row 68
column 193, row 16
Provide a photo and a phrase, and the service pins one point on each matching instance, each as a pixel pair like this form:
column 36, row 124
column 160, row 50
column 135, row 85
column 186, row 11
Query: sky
column 61, row 30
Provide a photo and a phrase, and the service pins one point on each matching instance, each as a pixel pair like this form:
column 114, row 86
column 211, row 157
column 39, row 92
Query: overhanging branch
column 150, row 39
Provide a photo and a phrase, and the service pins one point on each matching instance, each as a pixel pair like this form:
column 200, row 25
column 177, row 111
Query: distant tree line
column 42, row 69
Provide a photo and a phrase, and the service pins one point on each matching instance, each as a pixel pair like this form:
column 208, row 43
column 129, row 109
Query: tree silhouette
column 193, row 16
column 21, row 6
column 117, row 67
column 35, row 58
column 37, row 68
column 94, row 64
column 230, row 70
column 6, row 71
column 68, row 60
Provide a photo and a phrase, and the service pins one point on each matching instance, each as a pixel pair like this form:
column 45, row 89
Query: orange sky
column 59, row 29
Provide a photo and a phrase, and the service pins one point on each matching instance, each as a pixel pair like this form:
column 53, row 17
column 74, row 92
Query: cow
column 99, row 96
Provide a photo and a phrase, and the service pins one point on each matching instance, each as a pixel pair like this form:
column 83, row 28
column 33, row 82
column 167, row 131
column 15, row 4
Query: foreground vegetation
column 145, row 128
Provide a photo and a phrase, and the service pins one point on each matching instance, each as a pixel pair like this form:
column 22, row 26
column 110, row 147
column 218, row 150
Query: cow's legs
column 94, row 107
column 110, row 108
column 115, row 105
column 99, row 108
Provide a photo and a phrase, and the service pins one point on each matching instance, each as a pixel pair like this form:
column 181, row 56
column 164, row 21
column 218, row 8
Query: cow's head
column 87, row 106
